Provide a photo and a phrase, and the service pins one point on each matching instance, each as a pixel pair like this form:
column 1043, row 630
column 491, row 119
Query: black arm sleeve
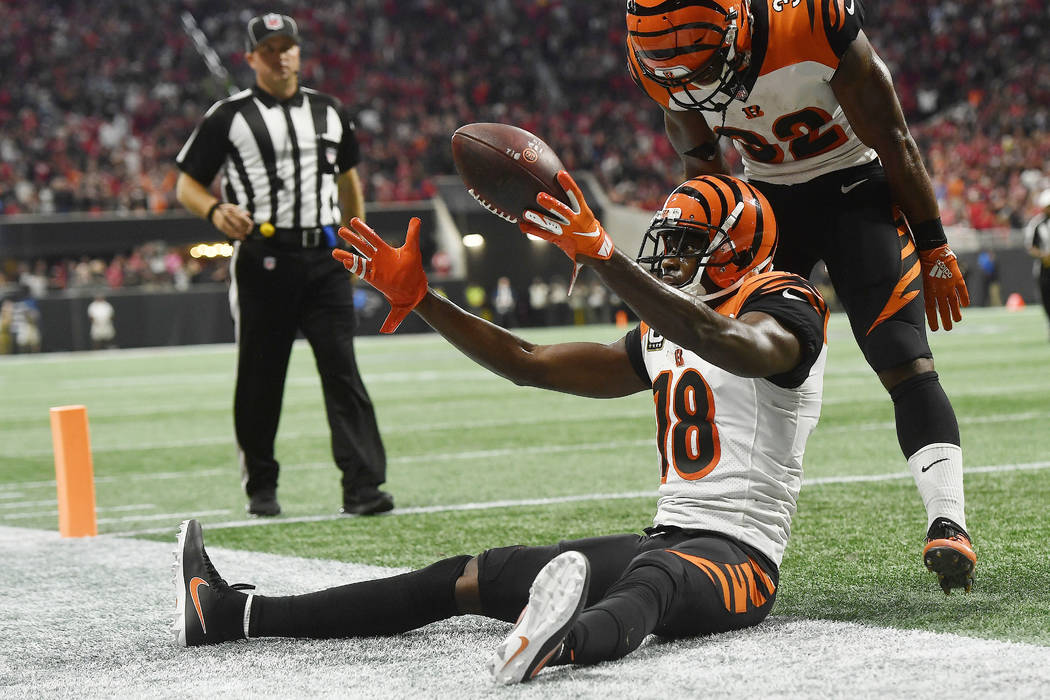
column 633, row 339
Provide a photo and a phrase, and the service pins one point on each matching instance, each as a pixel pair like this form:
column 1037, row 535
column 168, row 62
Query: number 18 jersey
column 731, row 447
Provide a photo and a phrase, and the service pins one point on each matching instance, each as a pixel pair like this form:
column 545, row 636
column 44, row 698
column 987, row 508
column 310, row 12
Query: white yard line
column 489, row 505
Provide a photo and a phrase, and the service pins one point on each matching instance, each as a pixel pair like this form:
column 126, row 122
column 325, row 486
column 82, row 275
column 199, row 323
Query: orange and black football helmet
column 696, row 49
column 724, row 223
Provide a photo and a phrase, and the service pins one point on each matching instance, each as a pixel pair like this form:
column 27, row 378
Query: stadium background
column 98, row 97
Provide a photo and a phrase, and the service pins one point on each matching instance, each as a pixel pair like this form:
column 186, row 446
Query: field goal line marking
column 491, row 505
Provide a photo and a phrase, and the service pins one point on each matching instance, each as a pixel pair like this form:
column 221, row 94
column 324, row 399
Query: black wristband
column 929, row 234
column 211, row 211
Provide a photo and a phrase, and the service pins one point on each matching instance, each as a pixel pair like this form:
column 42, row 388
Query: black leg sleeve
column 923, row 413
column 617, row 625
column 368, row 608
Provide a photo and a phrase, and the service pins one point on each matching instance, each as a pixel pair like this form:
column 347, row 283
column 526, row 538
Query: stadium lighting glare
column 211, row 250
column 473, row 240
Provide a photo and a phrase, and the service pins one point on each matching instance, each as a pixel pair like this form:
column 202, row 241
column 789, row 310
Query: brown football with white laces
column 504, row 167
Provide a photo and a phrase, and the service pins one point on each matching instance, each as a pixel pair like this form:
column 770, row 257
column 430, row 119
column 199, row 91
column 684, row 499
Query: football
column 505, row 167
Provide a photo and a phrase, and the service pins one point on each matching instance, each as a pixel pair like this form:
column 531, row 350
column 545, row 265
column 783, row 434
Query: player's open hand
column 943, row 286
column 573, row 229
column 396, row 272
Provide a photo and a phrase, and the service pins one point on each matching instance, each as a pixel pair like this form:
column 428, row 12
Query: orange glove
column 943, row 286
column 573, row 229
column 396, row 272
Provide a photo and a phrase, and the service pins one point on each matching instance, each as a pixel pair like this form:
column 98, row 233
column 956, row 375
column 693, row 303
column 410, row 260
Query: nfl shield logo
column 272, row 21
column 269, row 262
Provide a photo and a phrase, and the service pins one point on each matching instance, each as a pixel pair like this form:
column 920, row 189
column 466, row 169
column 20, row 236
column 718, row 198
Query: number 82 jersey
column 791, row 127
column 731, row 447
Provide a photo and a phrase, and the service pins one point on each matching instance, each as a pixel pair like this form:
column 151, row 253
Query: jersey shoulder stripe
column 776, row 283
column 819, row 31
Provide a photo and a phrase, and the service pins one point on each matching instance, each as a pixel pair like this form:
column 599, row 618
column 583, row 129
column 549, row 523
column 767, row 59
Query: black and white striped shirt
column 279, row 159
column 1037, row 235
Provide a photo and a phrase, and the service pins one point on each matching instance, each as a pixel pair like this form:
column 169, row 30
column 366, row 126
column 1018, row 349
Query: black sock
column 617, row 624
column 924, row 415
column 382, row 606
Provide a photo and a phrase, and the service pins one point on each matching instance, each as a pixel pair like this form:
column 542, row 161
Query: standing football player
column 812, row 110
column 734, row 356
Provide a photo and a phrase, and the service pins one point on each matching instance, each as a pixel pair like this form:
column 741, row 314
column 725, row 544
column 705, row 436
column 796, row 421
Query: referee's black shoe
column 366, row 500
column 264, row 504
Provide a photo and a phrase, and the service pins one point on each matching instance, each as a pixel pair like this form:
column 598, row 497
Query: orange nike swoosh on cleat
column 524, row 643
column 195, row 583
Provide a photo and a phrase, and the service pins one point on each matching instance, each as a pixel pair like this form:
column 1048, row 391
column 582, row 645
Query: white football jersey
column 791, row 128
column 730, row 447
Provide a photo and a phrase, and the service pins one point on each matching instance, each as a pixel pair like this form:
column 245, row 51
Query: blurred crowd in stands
column 99, row 95
column 153, row 266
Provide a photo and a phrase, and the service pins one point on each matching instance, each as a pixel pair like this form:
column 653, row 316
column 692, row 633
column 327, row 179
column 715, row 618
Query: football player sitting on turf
column 734, row 355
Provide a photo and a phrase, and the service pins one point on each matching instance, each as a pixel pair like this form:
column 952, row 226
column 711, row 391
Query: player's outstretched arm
column 753, row 345
column 865, row 90
column 586, row 369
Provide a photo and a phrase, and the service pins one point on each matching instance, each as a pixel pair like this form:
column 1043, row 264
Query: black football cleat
column 949, row 554
column 209, row 610
column 264, row 504
column 367, row 500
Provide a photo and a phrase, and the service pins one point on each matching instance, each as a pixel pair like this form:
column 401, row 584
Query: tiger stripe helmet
column 695, row 49
column 723, row 222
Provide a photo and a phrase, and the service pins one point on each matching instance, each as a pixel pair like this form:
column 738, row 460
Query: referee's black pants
column 1043, row 282
column 275, row 293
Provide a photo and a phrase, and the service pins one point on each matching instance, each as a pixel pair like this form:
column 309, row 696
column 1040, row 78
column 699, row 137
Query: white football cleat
column 556, row 598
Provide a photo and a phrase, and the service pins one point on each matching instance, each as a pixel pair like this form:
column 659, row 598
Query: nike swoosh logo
column 927, row 467
column 787, row 293
column 524, row 643
column 849, row 8
column 846, row 189
column 195, row 583
column 596, row 232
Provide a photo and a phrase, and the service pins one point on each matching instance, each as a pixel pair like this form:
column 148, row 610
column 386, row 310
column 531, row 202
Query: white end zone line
column 490, row 505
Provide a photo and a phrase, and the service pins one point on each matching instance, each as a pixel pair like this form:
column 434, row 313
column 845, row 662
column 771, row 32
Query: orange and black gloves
column 943, row 286
column 396, row 272
column 573, row 229
column 942, row 282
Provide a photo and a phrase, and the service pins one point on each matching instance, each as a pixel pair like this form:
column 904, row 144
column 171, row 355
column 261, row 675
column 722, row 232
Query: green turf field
column 477, row 462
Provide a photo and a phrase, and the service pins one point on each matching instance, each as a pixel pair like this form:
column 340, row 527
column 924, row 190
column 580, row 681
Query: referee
column 287, row 155
column 1037, row 242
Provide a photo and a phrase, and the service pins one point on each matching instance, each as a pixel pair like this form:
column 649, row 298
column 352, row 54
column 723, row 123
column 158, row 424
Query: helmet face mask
column 717, row 225
column 691, row 51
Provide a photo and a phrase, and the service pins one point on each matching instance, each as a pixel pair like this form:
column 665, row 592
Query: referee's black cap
column 263, row 27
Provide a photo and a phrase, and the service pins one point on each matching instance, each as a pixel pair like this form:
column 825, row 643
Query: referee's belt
column 316, row 237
